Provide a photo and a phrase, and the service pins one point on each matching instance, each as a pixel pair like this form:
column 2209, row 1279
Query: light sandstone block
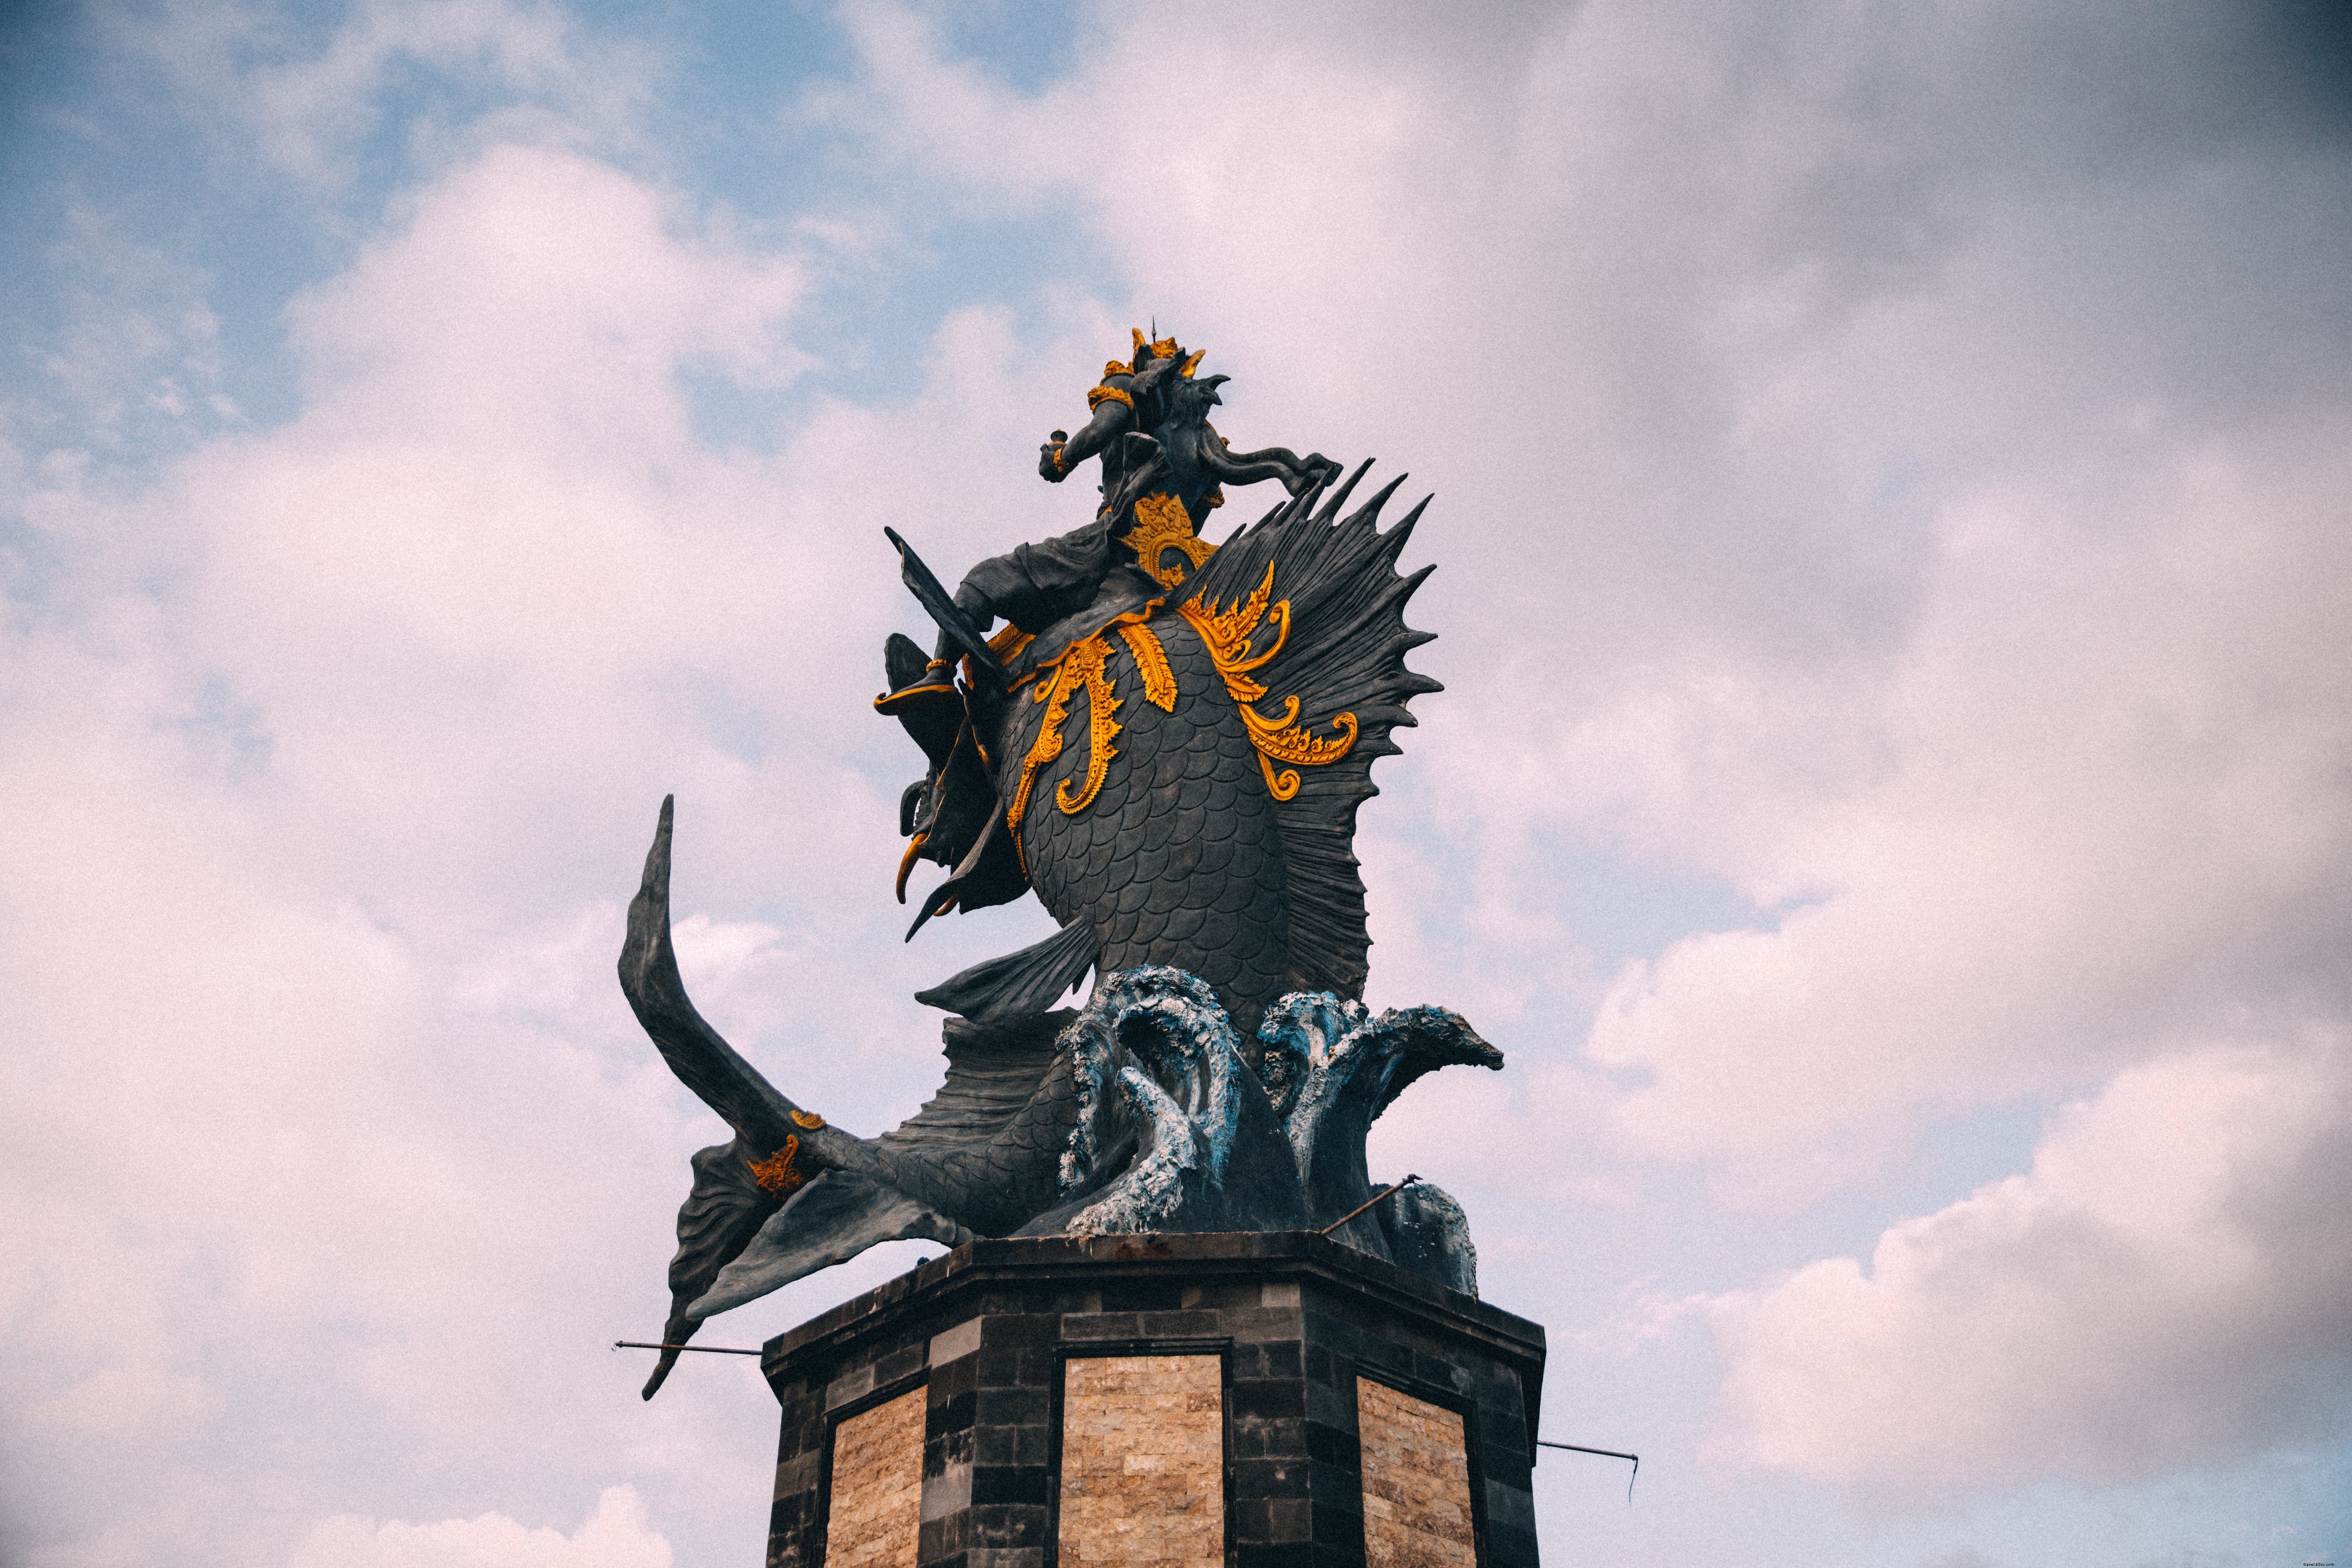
column 875, row 1513
column 1416, row 1482
column 1143, row 1462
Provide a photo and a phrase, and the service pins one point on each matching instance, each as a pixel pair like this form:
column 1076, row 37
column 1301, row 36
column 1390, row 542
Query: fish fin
column 1344, row 655
column 995, row 1070
column 1024, row 982
column 831, row 1220
column 720, row 1216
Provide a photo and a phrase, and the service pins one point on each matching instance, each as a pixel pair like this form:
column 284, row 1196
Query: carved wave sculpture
column 1146, row 1110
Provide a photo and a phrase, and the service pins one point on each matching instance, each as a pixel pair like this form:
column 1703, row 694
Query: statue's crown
column 1163, row 348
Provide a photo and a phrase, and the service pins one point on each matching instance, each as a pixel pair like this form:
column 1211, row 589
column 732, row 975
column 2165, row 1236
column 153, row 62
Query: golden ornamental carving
column 1231, row 636
column 807, row 1121
column 1161, row 524
column 1151, row 662
column 1080, row 668
column 1085, row 665
column 775, row 1173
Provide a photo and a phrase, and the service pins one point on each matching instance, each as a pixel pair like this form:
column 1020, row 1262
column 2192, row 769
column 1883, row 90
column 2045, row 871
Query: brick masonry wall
column 1143, row 1462
column 992, row 1330
column 877, row 1503
column 1416, row 1482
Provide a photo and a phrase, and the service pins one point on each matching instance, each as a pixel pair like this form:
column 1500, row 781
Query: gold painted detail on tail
column 1230, row 634
column 1161, row 524
column 775, row 1173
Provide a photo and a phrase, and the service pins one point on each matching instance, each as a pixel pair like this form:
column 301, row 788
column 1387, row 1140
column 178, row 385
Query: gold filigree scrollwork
column 1151, row 660
column 1161, row 524
column 1080, row 668
column 1085, row 666
column 1230, row 635
column 775, row 1173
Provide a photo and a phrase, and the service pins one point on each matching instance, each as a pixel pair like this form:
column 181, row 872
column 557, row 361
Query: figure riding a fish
column 1167, row 741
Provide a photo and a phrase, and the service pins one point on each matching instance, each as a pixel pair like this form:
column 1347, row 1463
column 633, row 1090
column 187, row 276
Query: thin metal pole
column 1359, row 1208
column 1604, row 1453
column 700, row 1350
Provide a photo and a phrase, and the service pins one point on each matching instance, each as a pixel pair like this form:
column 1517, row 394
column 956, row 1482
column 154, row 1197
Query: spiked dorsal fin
column 1343, row 654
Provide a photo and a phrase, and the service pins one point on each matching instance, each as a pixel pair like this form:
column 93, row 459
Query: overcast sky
column 1892, row 800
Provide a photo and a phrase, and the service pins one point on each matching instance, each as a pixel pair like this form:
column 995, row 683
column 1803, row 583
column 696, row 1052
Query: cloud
column 339, row 1106
column 2097, row 805
column 615, row 1536
column 2169, row 1286
column 306, row 92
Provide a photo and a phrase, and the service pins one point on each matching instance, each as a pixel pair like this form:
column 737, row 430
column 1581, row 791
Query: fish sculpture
column 1173, row 768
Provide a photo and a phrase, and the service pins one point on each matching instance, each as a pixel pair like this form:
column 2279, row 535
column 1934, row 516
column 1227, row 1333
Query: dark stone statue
column 1166, row 742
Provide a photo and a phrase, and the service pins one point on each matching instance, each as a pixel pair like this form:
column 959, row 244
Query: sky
column 1891, row 802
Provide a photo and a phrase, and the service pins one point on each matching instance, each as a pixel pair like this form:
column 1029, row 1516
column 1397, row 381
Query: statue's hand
column 1049, row 459
column 1313, row 469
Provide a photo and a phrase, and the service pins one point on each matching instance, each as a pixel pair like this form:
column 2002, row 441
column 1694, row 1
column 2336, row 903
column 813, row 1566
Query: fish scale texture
column 1179, row 859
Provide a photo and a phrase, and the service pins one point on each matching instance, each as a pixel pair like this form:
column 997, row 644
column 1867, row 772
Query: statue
column 1167, row 742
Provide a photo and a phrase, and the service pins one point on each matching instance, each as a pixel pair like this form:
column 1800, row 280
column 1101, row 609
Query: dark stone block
column 1010, row 1484
column 1012, row 1406
column 1023, row 1328
column 1331, row 1526
column 1277, row 1554
column 1330, row 1445
column 1156, row 1295
column 1267, row 1478
column 1272, row 1400
column 955, row 1411
column 1103, row 1326
column 1007, row 1524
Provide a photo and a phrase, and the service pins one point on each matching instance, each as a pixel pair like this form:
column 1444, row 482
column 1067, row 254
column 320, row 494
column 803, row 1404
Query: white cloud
column 2169, row 1286
column 615, row 1536
column 306, row 92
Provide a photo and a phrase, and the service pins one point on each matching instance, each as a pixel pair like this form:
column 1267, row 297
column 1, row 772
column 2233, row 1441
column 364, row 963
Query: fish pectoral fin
column 837, row 1216
column 1029, row 981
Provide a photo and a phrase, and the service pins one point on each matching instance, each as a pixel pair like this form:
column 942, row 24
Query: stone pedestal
column 1157, row 1400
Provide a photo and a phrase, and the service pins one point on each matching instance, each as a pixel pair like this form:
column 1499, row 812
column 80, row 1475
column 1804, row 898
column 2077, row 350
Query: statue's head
column 1148, row 350
column 1167, row 368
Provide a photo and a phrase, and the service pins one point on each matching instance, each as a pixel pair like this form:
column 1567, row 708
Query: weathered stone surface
column 991, row 1331
column 1143, row 1462
column 877, row 1498
column 1416, row 1457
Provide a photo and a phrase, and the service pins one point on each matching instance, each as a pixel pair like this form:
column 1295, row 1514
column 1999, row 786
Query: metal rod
column 1604, row 1453
column 1359, row 1208
column 700, row 1350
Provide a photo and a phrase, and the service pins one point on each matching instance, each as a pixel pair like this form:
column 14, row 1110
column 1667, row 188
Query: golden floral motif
column 1163, row 524
column 1085, row 666
column 807, row 1121
column 1230, row 635
column 775, row 1173
column 1080, row 668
